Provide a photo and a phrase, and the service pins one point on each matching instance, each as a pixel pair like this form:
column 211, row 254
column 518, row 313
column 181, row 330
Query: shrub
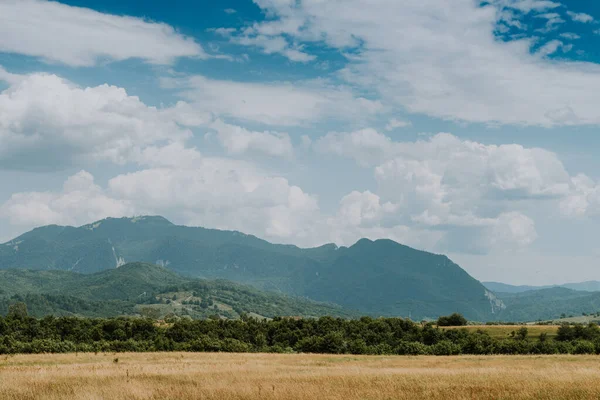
column 445, row 348
column 584, row 347
column 412, row 349
column 455, row 319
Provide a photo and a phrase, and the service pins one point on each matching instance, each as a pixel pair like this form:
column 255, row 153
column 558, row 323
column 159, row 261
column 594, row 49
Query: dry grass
column 268, row 376
column 503, row 331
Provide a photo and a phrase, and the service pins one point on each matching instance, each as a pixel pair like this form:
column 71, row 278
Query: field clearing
column 222, row 376
column 504, row 331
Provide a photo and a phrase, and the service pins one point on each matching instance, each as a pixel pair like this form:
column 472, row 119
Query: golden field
column 296, row 376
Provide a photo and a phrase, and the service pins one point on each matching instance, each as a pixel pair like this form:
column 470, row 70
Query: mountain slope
column 131, row 288
column 376, row 277
column 391, row 279
column 546, row 304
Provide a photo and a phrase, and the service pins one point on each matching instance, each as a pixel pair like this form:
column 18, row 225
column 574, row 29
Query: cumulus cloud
column 366, row 146
column 580, row 17
column 441, row 194
column 364, row 215
column 79, row 202
column 48, row 122
column 211, row 192
column 396, row 123
column 473, row 193
column 454, row 69
column 510, row 168
column 83, row 37
column 238, row 140
column 584, row 200
column 276, row 103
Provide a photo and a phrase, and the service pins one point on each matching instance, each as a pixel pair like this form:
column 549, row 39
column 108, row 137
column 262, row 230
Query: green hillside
column 548, row 304
column 375, row 277
column 139, row 288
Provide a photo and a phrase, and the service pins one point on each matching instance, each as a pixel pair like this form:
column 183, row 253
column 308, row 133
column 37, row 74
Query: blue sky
column 468, row 129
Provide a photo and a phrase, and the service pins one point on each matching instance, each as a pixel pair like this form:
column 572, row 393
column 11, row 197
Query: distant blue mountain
column 497, row 287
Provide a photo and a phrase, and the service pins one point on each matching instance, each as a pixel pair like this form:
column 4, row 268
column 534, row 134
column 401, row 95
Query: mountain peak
column 142, row 219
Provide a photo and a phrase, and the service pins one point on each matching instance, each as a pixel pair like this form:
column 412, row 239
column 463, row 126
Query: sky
column 467, row 128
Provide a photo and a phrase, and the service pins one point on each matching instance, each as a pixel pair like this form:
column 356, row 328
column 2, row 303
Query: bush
column 512, row 346
column 455, row 319
column 584, row 347
column 446, row 348
column 412, row 349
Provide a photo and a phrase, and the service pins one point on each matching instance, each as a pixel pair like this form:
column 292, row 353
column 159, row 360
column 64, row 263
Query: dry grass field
column 270, row 376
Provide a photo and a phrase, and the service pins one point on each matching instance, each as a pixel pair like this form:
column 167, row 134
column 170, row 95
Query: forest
column 20, row 333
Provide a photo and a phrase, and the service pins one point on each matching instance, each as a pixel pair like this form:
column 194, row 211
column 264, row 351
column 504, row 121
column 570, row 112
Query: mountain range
column 381, row 278
column 128, row 266
column 588, row 286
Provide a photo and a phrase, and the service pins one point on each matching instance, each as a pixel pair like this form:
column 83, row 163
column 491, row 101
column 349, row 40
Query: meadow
column 220, row 376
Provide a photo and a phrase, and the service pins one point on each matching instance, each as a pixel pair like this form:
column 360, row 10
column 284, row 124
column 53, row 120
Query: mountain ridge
column 376, row 277
column 586, row 286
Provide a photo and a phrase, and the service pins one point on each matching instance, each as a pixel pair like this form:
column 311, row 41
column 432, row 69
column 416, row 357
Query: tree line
column 20, row 333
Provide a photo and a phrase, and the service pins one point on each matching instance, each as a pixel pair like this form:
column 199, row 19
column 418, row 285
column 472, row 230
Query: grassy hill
column 376, row 277
column 140, row 288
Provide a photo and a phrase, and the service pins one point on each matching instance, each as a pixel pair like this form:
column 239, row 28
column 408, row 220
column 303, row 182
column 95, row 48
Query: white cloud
column 225, row 32
column 366, row 146
column 396, row 123
column 83, row 37
column 216, row 193
column 585, row 198
column 48, row 122
column 230, row 11
column 360, row 209
column 474, row 193
column 364, row 215
column 551, row 47
column 7, row 77
column 580, row 17
column 268, row 37
column 223, row 194
column 553, row 20
column 570, row 36
column 454, row 69
column 238, row 140
column 276, row 103
column 439, row 194
column 527, row 6
column 274, row 45
column 507, row 168
column 79, row 202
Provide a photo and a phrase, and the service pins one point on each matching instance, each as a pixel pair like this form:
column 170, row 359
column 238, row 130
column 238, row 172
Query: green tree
column 18, row 310
column 150, row 312
column 455, row 319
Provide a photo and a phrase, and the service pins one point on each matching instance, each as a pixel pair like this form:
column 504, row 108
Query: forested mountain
column 375, row 277
column 147, row 289
column 547, row 304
